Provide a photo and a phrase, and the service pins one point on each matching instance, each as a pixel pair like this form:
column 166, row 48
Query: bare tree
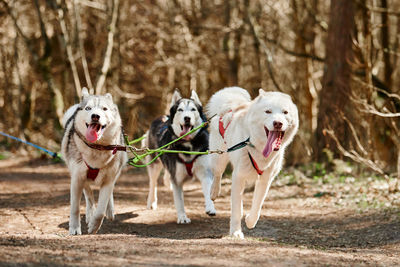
column 334, row 96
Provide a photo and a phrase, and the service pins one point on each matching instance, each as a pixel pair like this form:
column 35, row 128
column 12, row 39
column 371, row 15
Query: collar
column 114, row 148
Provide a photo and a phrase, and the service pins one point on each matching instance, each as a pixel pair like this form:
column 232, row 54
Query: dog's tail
column 227, row 99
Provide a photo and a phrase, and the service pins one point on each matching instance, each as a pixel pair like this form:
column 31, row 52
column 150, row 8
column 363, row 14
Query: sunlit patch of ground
column 305, row 221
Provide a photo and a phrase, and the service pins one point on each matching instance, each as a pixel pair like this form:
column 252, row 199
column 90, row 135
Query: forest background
column 337, row 59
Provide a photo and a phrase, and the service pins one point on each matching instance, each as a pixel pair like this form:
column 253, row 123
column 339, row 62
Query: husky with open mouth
column 267, row 124
column 185, row 114
column 90, row 147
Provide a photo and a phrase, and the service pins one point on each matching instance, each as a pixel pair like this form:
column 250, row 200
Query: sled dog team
column 93, row 137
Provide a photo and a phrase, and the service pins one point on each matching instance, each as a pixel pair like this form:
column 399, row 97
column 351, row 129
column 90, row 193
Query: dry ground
column 298, row 227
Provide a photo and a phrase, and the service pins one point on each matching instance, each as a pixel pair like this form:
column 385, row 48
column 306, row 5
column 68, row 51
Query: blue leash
column 53, row 154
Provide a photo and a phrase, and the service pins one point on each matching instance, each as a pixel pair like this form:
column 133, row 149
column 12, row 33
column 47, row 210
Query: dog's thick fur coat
column 185, row 114
column 95, row 120
column 271, row 121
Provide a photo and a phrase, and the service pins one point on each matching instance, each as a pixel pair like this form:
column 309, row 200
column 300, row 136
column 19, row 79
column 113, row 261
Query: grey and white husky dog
column 91, row 127
column 184, row 115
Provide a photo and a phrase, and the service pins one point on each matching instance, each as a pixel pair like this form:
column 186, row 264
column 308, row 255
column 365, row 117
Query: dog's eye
column 180, row 110
column 105, row 109
column 88, row 108
column 268, row 111
column 193, row 109
column 285, row 112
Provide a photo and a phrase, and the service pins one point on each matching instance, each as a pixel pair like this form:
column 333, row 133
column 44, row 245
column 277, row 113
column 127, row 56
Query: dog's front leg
column 179, row 204
column 104, row 197
column 75, row 195
column 238, row 182
column 110, row 208
column 90, row 204
column 260, row 193
column 261, row 189
column 203, row 173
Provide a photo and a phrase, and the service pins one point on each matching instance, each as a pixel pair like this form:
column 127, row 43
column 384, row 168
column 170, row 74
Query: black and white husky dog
column 185, row 114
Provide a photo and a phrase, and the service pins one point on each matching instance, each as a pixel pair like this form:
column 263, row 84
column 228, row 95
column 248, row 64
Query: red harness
column 221, row 127
column 92, row 172
column 188, row 165
column 222, row 130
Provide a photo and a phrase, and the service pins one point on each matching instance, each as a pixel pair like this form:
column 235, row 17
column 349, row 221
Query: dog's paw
column 237, row 234
column 110, row 214
column 152, row 205
column 94, row 224
column 250, row 222
column 215, row 191
column 75, row 230
column 183, row 219
column 210, row 210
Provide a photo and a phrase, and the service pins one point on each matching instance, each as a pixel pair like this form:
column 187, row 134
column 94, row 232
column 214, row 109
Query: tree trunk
column 385, row 45
column 334, row 96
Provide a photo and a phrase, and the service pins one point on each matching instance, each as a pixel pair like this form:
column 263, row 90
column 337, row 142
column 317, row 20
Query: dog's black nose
column 187, row 120
column 95, row 117
column 278, row 125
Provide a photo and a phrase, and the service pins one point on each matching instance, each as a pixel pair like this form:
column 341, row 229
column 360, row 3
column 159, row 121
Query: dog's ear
column 195, row 98
column 261, row 92
column 175, row 97
column 85, row 93
column 109, row 96
column 202, row 115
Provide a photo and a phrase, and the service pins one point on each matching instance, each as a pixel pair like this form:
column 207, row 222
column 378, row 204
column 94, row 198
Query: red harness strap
column 221, row 127
column 188, row 165
column 255, row 166
column 222, row 130
column 92, row 172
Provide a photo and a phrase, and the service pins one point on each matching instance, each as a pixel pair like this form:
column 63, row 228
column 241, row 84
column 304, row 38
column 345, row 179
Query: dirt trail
column 296, row 228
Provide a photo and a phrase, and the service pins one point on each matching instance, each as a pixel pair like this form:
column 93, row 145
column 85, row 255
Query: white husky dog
column 92, row 137
column 268, row 124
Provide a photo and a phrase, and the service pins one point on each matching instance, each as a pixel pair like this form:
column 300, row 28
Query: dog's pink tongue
column 91, row 133
column 272, row 136
column 184, row 131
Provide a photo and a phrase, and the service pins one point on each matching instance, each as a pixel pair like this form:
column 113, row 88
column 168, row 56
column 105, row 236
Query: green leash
column 164, row 149
column 137, row 140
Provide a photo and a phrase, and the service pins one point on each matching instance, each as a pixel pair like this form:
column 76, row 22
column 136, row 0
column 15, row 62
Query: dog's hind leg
column 218, row 166
column 104, row 198
column 153, row 172
column 90, row 204
column 179, row 204
column 75, row 195
column 110, row 208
